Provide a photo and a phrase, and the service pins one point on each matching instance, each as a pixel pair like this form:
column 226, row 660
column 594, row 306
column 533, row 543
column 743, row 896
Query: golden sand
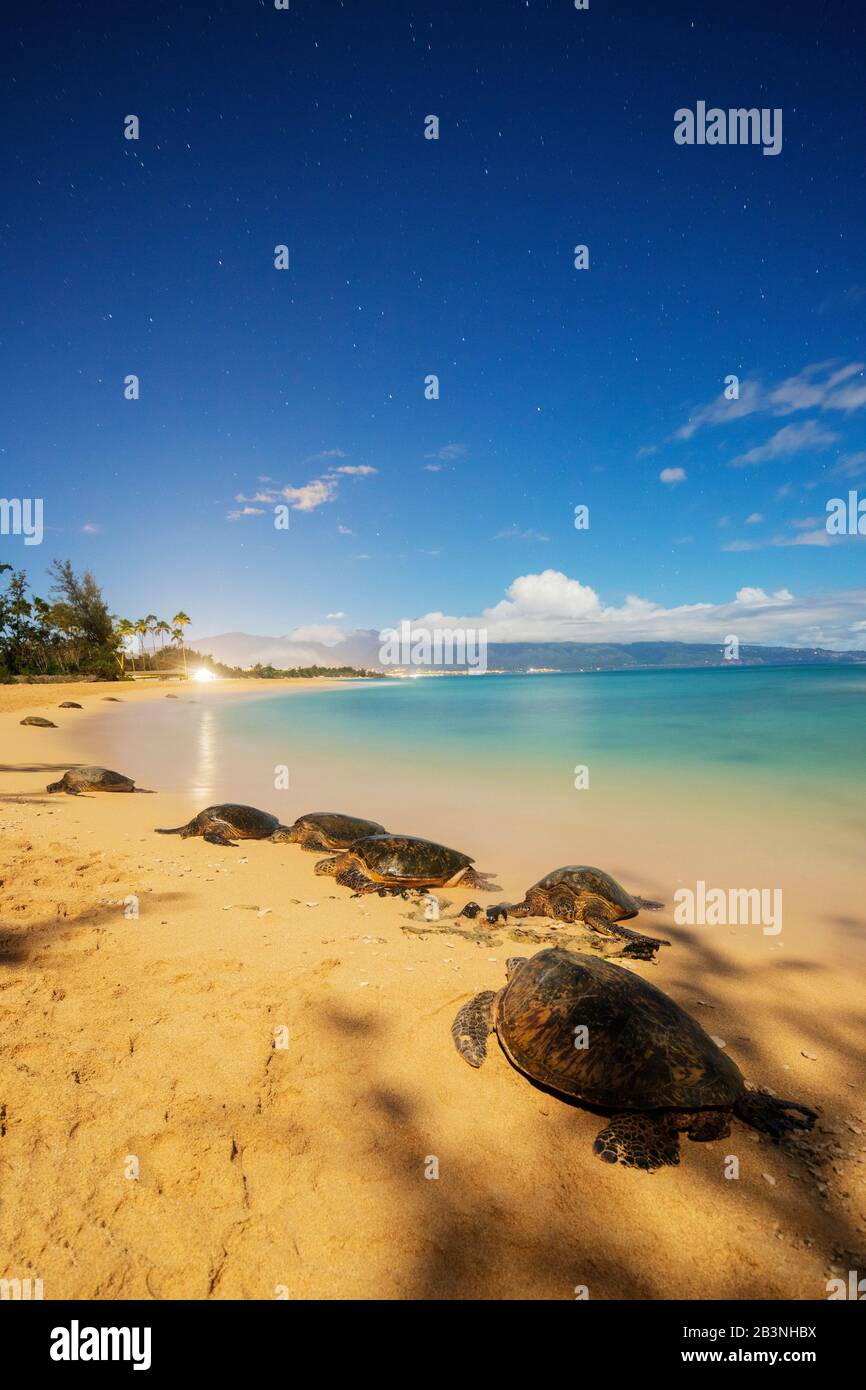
column 147, row 1044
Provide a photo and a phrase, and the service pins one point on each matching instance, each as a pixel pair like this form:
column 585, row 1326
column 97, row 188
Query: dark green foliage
column 71, row 633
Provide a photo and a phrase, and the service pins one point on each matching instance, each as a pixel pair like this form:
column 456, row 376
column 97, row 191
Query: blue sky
column 410, row 256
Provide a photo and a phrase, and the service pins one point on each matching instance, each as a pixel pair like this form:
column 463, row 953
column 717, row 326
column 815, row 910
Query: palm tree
column 124, row 630
column 140, row 626
column 151, row 620
column 182, row 620
column 162, row 628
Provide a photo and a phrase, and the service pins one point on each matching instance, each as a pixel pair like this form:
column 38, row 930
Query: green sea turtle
column 330, row 830
column 224, row 825
column 603, row 1036
column 113, row 699
column 38, row 722
column 379, row 863
column 69, row 704
column 579, row 893
column 93, row 779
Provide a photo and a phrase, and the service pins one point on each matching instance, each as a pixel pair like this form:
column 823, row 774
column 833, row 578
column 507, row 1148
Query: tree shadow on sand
column 538, row 1216
column 25, row 941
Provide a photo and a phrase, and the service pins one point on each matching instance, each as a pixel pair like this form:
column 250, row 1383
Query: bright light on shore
column 203, row 675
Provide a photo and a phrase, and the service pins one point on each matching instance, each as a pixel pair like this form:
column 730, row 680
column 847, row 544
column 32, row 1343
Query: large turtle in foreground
column 93, row 779
column 395, row 863
column 330, row 830
column 226, row 824
column 580, row 893
column 37, row 722
column 596, row 1032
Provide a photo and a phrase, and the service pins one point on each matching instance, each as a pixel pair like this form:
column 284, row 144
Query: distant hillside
column 361, row 649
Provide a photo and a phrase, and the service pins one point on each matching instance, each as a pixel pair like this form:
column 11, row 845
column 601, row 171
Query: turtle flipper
column 220, row 833
column 703, row 1126
column 639, row 1140
column 473, row 1026
column 773, row 1116
column 310, row 840
column 350, row 876
column 643, row 947
column 474, row 878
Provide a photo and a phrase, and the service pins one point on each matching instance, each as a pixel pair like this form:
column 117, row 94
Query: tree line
column 72, row 632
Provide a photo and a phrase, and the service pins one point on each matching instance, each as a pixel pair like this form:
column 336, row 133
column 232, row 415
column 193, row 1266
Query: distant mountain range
column 361, row 649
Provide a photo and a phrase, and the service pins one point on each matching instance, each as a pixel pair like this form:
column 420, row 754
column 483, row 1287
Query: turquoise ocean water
column 784, row 727
column 736, row 776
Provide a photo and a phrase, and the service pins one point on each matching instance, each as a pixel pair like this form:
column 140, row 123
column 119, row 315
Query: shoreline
column 152, row 1037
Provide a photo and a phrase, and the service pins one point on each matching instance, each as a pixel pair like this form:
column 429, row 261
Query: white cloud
column 311, row 495
column 550, row 606
column 448, row 453
column 826, row 385
column 754, row 519
column 244, row 511
column 850, row 466
column 721, row 411
column 336, row 616
column 672, row 475
column 790, row 439
column 308, row 497
column 91, row 528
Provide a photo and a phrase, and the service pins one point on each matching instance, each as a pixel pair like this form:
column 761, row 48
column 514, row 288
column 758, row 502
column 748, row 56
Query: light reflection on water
column 204, row 771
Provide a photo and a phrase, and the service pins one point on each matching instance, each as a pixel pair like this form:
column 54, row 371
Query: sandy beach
column 240, row 1091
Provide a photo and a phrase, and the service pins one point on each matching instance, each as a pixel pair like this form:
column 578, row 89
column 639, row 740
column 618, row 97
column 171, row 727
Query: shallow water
column 741, row 777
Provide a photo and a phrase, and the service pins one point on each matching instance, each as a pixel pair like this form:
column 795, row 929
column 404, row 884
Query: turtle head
column 329, row 866
column 54, row 787
column 512, row 965
column 283, row 835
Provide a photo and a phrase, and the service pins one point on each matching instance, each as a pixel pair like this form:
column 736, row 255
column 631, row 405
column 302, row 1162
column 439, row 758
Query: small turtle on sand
column 224, row 825
column 113, row 699
column 601, row 1035
column 579, row 893
column 38, row 722
column 93, row 779
column 330, row 830
column 69, row 704
column 383, row 863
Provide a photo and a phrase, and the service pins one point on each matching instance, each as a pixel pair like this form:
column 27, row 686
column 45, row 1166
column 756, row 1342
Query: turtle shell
column 98, row 777
column 643, row 1051
column 340, row 831
column 588, row 883
column 248, row 821
column 408, row 860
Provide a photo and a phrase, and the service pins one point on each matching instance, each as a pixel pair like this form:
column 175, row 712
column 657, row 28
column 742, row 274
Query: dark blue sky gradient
column 411, row 256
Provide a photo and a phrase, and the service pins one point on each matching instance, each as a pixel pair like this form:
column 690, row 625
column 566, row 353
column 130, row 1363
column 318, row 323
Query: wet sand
column 148, row 1044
